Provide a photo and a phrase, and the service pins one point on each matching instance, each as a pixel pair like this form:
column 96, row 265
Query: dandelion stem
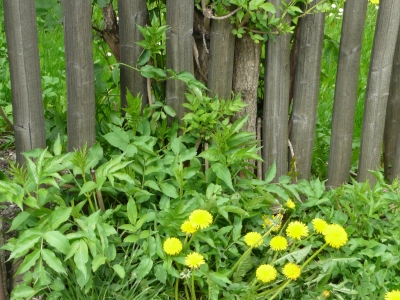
column 280, row 289
column 312, row 256
column 177, row 289
column 193, row 290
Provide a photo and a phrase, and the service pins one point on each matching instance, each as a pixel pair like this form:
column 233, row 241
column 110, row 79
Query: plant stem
column 177, row 289
column 193, row 290
column 280, row 289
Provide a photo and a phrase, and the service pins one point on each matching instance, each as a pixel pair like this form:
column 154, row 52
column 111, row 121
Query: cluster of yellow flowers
column 198, row 219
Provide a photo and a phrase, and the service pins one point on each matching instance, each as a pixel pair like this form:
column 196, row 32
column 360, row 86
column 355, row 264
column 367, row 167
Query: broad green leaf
column 59, row 216
column 269, row 7
column 132, row 211
column 236, row 210
column 223, row 173
column 160, row 273
column 52, row 261
column 58, row 241
column 254, row 4
column 220, row 279
column 81, row 257
column 270, row 175
column 29, row 261
column 169, row 190
column 22, row 291
column 88, row 186
column 119, row 270
column 132, row 238
column 169, row 111
column 97, row 262
column 144, row 268
column 118, row 138
column 238, row 124
column 151, row 72
column 57, row 285
column 18, row 220
column 144, row 57
column 24, row 245
column 57, row 147
column 103, row 3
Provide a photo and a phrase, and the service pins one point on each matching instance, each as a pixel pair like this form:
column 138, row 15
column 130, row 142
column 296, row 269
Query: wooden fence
column 203, row 44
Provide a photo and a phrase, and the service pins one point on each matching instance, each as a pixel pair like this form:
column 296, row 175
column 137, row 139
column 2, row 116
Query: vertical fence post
column 80, row 73
column 306, row 88
column 376, row 97
column 26, row 87
column 355, row 12
column 276, row 101
column 131, row 12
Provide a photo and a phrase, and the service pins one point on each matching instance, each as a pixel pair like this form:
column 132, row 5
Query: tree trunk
column 26, row 87
column 80, row 73
column 245, row 79
column 380, row 70
column 306, row 87
column 220, row 69
column 131, row 12
column 392, row 124
column 110, row 32
column 355, row 12
column 179, row 50
column 276, row 102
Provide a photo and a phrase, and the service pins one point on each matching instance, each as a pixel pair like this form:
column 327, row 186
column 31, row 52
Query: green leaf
column 223, row 173
column 52, row 261
column 57, row 147
column 144, row 268
column 29, row 261
column 22, row 292
column 269, row 7
column 169, row 190
column 119, row 270
column 59, row 216
column 97, row 262
column 103, row 3
column 18, row 220
column 144, row 57
column 118, row 138
column 160, row 273
column 270, row 175
column 254, row 4
column 24, row 245
column 88, row 186
column 236, row 210
column 220, row 279
column 151, row 72
column 58, row 241
column 132, row 211
column 81, row 257
column 169, row 111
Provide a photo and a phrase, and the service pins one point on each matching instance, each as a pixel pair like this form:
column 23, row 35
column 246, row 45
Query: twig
column 2, row 113
column 196, row 58
column 207, row 12
column 206, row 165
column 98, row 193
column 149, row 92
column 259, row 163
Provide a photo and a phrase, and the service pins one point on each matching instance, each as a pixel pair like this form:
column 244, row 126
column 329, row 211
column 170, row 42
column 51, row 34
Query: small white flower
column 108, row 54
column 341, row 10
column 377, row 7
column 333, row 5
column 331, row 14
column 185, row 274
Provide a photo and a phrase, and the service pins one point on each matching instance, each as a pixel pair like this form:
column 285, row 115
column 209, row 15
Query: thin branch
column 98, row 193
column 207, row 12
column 259, row 162
column 149, row 92
column 196, row 58
column 2, row 113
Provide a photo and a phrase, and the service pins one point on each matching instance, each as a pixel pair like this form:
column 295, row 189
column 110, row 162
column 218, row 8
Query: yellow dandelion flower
column 374, row 1
column 290, row 204
column 393, row 295
column 266, row 273
column 200, row 218
column 335, row 236
column 172, row 246
column 194, row 260
column 253, row 239
column 278, row 243
column 325, row 294
column 291, row 271
column 296, row 230
column 319, row 225
column 188, row 228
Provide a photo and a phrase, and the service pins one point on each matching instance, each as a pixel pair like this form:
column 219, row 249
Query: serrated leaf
column 57, row 147
column 22, row 292
column 24, row 245
column 254, row 4
column 119, row 270
column 81, row 257
column 57, row 240
column 59, row 216
column 160, row 273
column 118, row 138
column 223, row 173
column 132, row 211
column 169, row 190
column 52, row 261
column 268, row 7
column 18, row 220
column 29, row 261
column 97, row 262
column 242, row 269
column 88, row 187
column 270, row 175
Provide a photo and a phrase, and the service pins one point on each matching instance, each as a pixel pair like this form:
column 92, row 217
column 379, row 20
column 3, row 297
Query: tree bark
column 245, row 79
column 179, row 50
column 276, row 102
column 385, row 38
column 131, row 12
column 3, row 273
column 80, row 73
column 307, row 79
column 355, row 12
column 110, row 32
column 26, row 87
column 392, row 123
column 220, row 69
